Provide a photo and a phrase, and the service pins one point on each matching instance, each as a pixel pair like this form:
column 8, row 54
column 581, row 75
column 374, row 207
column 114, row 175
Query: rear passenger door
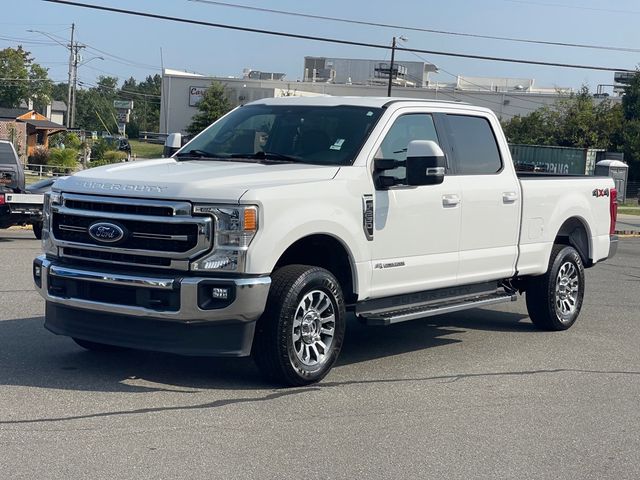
column 490, row 199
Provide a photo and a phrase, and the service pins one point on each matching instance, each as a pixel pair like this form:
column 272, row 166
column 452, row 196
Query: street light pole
column 393, row 54
column 71, row 60
column 76, row 56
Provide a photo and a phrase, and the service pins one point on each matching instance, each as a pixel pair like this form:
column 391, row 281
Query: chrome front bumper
column 248, row 303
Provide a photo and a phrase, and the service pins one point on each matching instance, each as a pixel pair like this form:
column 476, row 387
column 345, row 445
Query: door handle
column 509, row 197
column 450, row 200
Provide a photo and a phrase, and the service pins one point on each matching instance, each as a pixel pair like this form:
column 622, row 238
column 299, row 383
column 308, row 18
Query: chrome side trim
column 112, row 278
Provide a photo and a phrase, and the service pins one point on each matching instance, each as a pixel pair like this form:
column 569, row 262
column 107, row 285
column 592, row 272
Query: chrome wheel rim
column 567, row 289
column 314, row 326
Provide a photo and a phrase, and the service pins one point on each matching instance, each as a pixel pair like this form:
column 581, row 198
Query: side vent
column 367, row 216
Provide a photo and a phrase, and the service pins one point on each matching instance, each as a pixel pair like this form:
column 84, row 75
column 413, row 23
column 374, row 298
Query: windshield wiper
column 268, row 157
column 196, row 154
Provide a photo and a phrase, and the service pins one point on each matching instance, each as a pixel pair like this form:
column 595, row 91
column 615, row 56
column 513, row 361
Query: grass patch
column 629, row 211
column 145, row 150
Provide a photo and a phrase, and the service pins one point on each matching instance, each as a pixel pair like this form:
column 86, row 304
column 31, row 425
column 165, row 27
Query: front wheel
column 554, row 299
column 299, row 336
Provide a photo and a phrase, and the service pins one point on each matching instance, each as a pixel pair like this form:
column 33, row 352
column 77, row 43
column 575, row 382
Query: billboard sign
column 195, row 95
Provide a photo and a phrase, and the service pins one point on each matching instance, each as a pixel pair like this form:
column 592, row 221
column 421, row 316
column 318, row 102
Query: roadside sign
column 123, row 104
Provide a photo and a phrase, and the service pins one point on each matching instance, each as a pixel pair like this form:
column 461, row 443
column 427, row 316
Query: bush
column 108, row 158
column 99, row 148
column 68, row 139
column 40, row 156
column 114, row 156
column 64, row 157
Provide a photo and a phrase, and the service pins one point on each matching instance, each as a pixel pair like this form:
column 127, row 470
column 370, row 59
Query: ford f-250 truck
column 262, row 232
column 18, row 205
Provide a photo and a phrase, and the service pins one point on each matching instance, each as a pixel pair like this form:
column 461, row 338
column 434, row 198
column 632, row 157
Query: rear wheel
column 96, row 347
column 554, row 299
column 300, row 334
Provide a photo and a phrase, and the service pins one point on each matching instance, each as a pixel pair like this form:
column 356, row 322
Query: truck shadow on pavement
column 31, row 356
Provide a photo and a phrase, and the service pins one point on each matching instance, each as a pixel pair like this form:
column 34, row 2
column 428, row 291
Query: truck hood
column 194, row 180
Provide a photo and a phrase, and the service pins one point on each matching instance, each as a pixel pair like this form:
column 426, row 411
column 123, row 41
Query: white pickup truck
column 262, row 232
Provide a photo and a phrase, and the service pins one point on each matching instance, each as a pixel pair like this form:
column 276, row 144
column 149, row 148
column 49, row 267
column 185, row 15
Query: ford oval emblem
column 106, row 232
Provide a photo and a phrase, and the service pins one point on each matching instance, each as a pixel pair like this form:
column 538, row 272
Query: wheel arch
column 328, row 252
column 576, row 233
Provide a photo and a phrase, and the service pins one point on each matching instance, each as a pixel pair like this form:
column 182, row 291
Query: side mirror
column 426, row 163
column 172, row 144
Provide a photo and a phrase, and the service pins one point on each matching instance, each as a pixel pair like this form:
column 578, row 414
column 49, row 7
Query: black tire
column 554, row 299
column 96, row 347
column 290, row 312
column 37, row 230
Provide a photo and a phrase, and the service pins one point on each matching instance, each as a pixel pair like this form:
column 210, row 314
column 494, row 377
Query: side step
column 387, row 317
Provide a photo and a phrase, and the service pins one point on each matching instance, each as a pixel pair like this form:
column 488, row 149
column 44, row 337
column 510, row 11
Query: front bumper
column 151, row 312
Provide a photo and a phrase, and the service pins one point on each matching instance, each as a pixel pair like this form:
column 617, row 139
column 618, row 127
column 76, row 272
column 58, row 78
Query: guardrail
column 153, row 137
column 46, row 170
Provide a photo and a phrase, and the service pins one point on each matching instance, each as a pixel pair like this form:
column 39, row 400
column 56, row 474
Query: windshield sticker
column 369, row 113
column 337, row 145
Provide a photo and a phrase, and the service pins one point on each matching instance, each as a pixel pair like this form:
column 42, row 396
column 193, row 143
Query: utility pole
column 76, row 56
column 393, row 54
column 71, row 56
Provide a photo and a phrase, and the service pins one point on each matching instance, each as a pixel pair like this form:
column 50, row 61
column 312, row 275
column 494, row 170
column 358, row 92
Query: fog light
column 218, row 293
column 37, row 274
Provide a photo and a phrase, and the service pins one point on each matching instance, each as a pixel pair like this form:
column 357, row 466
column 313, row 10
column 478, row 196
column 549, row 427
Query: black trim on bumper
column 215, row 339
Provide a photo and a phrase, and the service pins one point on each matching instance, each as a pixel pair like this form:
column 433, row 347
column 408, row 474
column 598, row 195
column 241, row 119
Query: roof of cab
column 329, row 101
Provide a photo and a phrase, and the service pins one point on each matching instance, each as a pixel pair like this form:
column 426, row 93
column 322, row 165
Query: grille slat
column 71, row 228
column 157, row 234
column 119, row 208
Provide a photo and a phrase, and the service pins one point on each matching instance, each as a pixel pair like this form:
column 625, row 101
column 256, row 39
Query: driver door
column 416, row 236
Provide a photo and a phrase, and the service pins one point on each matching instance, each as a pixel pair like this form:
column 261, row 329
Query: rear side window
column 474, row 145
column 7, row 156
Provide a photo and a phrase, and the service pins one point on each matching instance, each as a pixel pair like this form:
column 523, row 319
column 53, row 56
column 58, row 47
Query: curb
column 627, row 233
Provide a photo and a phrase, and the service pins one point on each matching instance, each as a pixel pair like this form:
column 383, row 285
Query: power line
column 335, row 40
column 576, row 7
column 418, row 29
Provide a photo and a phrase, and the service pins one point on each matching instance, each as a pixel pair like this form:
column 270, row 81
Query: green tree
column 22, row 79
column 145, row 115
column 574, row 121
column 631, row 133
column 213, row 105
column 94, row 106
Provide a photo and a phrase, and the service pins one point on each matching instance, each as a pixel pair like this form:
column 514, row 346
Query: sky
column 132, row 46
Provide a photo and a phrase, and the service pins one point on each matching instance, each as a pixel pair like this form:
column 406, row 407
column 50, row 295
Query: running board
column 387, row 317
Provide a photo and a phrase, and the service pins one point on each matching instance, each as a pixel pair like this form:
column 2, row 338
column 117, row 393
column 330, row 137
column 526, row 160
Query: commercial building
column 507, row 97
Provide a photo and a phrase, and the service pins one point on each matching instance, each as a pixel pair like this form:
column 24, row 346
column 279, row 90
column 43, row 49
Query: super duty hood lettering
column 123, row 187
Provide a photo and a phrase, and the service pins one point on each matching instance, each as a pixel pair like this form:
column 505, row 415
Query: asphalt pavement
column 628, row 224
column 477, row 394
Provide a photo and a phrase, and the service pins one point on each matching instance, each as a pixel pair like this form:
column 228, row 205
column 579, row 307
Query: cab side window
column 474, row 145
column 417, row 126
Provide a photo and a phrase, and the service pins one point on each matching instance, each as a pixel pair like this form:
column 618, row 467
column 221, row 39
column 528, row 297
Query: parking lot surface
column 477, row 394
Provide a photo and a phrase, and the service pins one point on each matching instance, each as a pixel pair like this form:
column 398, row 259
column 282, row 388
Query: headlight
column 235, row 228
column 50, row 199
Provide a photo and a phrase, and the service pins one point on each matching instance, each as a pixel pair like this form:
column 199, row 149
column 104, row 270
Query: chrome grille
column 158, row 234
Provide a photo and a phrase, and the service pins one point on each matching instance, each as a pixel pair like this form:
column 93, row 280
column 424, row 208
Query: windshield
column 305, row 134
column 7, row 157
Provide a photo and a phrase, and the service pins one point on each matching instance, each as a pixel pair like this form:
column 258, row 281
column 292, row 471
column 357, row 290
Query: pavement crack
column 461, row 376
column 451, row 378
column 216, row 404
